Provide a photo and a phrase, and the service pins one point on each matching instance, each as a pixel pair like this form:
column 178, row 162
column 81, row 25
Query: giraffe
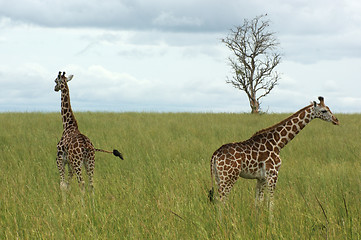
column 258, row 157
column 74, row 148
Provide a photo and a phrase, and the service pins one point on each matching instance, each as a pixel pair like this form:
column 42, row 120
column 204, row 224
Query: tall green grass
column 160, row 190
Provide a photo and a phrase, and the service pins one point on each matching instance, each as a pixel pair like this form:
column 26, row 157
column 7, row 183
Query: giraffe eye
column 324, row 111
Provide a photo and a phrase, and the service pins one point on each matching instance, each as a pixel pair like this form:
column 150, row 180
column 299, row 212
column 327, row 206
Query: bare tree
column 256, row 56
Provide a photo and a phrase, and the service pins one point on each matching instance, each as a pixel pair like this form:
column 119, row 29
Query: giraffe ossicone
column 258, row 157
column 74, row 148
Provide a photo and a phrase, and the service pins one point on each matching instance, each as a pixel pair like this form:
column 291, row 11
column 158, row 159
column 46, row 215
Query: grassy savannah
column 160, row 190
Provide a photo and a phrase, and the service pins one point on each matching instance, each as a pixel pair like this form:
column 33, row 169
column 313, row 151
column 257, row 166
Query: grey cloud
column 168, row 19
column 289, row 17
column 172, row 52
column 163, row 15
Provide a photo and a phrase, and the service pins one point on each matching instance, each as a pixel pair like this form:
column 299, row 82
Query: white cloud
column 335, row 80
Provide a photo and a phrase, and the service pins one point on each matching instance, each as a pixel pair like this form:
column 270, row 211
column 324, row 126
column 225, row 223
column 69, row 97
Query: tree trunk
column 254, row 106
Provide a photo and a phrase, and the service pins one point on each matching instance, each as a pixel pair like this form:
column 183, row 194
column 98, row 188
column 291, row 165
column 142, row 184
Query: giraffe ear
column 322, row 101
column 70, row 78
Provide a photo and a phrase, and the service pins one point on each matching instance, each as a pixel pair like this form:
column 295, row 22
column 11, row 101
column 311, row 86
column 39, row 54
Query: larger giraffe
column 74, row 148
column 258, row 157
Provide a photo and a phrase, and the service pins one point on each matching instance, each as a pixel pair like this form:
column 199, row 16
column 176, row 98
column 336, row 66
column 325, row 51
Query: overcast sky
column 161, row 55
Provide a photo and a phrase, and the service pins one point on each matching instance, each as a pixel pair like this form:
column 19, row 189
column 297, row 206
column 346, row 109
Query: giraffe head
column 323, row 112
column 61, row 81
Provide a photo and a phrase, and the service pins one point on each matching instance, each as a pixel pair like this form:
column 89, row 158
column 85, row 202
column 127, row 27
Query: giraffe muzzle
column 335, row 121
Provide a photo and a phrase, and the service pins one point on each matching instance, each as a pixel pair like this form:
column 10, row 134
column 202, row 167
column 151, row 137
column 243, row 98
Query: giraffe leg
column 76, row 167
column 261, row 185
column 89, row 166
column 80, row 179
column 61, row 167
column 70, row 174
column 271, row 182
column 225, row 186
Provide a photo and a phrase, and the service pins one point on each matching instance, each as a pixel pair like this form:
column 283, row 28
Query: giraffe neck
column 282, row 133
column 68, row 117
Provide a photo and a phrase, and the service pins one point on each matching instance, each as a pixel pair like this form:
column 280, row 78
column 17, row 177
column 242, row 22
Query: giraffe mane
column 280, row 123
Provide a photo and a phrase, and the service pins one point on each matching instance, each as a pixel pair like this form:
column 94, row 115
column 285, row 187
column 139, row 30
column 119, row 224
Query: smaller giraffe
column 258, row 157
column 74, row 148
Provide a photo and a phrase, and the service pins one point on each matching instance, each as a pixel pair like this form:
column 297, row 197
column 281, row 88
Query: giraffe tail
column 211, row 194
column 211, row 191
column 114, row 152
